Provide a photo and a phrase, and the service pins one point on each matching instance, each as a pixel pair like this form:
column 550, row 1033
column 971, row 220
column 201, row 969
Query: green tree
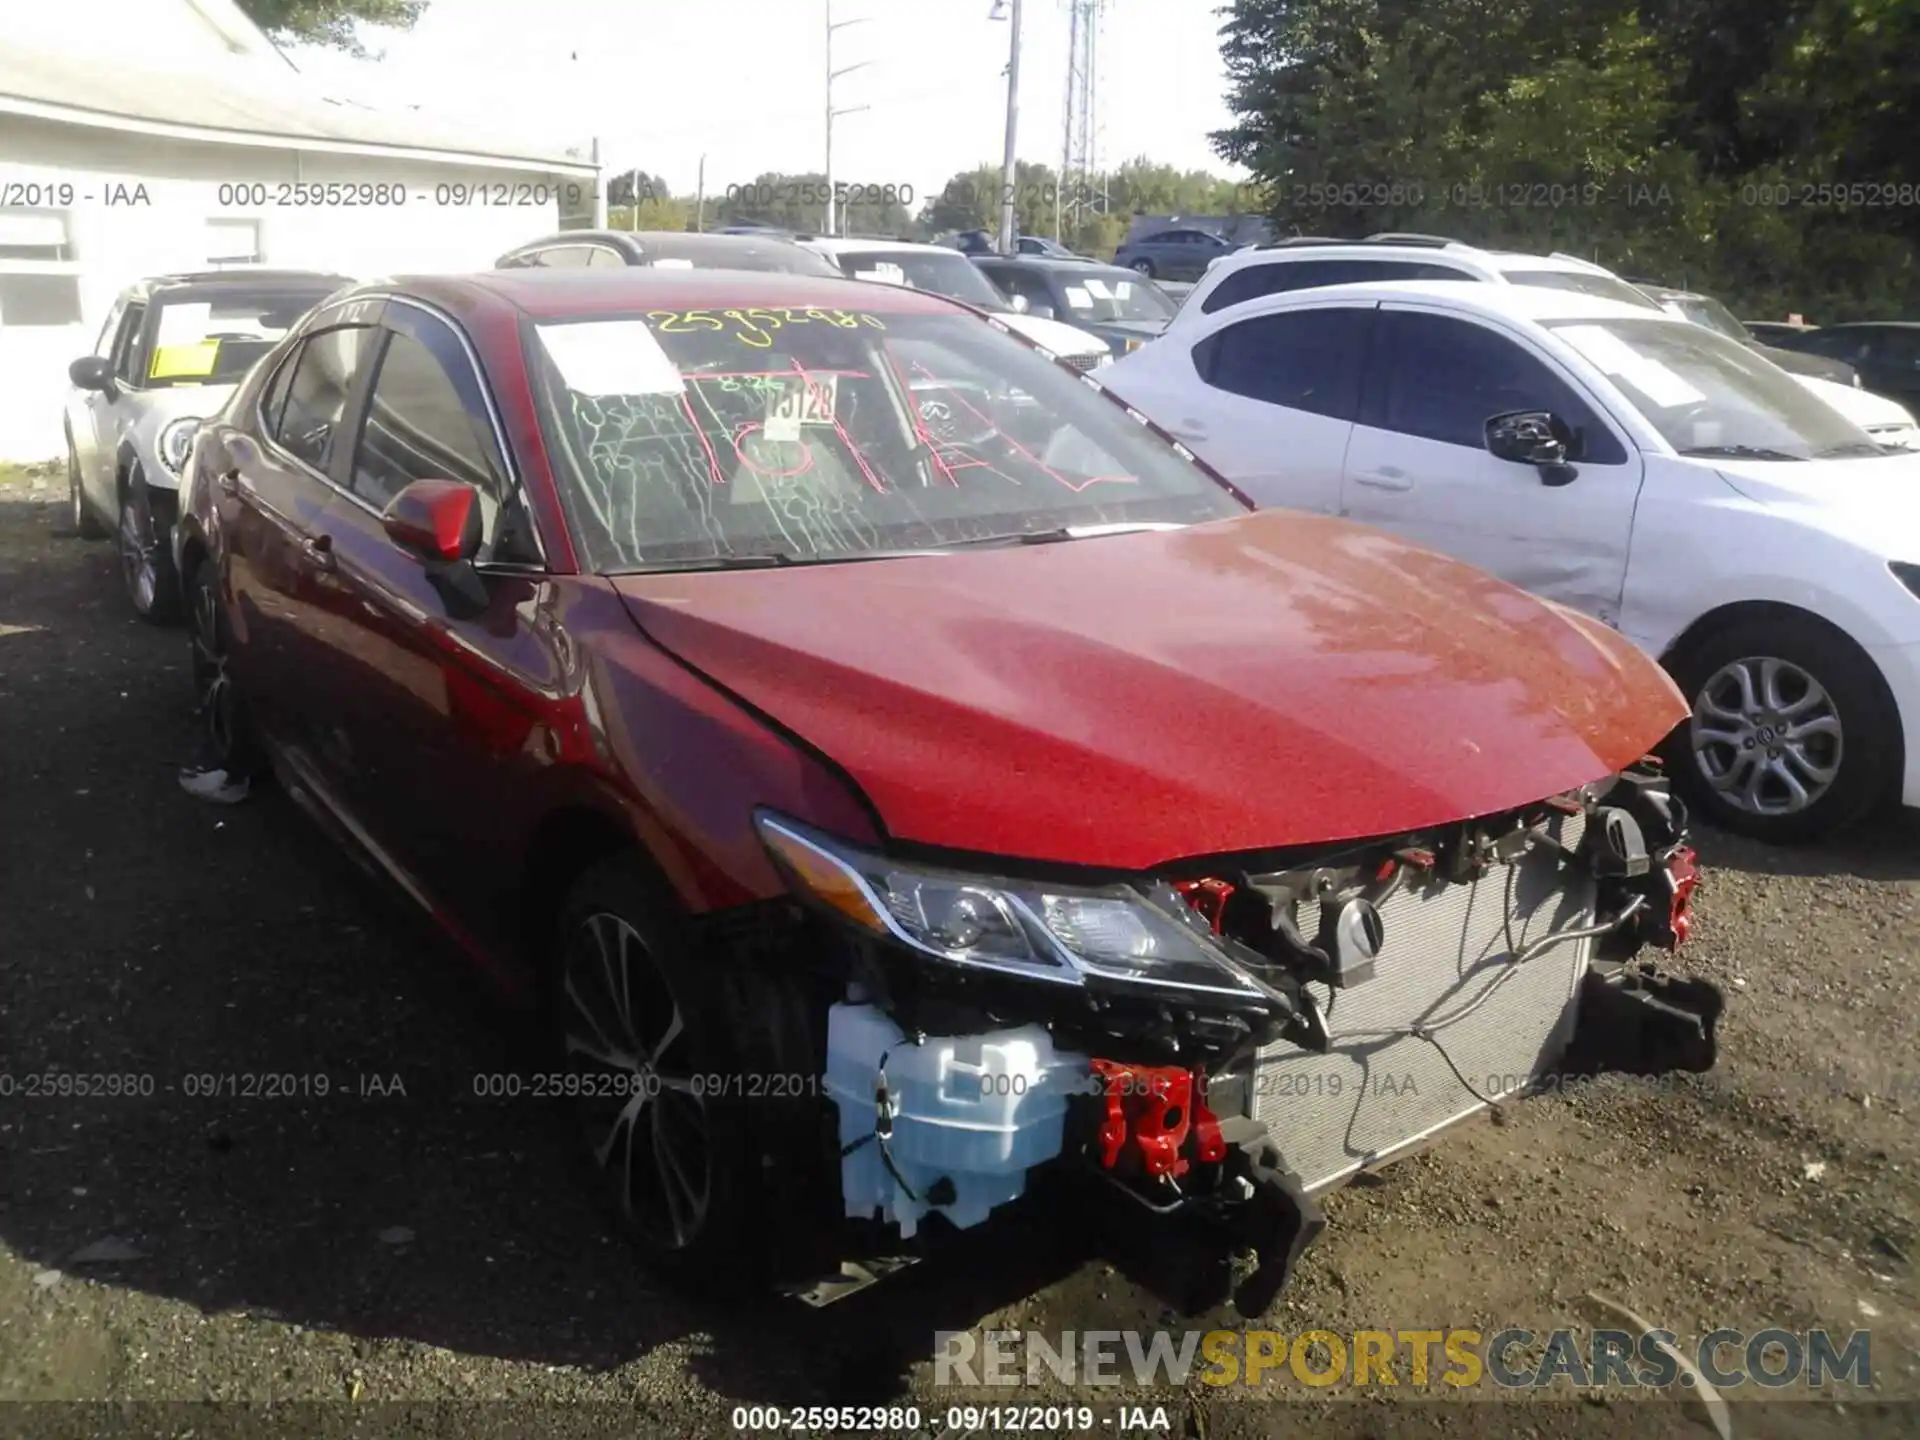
column 972, row 200
column 330, row 23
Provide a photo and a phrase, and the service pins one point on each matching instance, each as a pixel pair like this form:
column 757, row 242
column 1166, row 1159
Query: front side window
column 1444, row 378
column 127, row 344
column 691, row 438
column 213, row 337
column 418, row 427
column 562, row 257
column 1302, row 359
column 1707, row 395
column 320, row 379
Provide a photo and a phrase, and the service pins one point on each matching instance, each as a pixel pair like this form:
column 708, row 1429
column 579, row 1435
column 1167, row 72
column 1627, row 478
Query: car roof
column 852, row 245
column 215, row 279
column 1520, row 302
column 1052, row 262
column 552, row 294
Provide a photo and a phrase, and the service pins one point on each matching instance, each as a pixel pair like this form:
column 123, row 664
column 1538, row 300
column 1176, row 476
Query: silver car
column 172, row 350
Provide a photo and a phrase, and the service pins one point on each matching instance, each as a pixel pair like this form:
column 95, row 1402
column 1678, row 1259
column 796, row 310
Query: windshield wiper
column 768, row 560
column 1742, row 452
column 1070, row 532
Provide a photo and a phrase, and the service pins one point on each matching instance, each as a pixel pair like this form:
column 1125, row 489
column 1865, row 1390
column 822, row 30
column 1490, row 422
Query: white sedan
column 1628, row 464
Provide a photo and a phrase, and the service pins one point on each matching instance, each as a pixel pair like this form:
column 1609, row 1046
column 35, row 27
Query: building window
column 233, row 242
column 39, row 279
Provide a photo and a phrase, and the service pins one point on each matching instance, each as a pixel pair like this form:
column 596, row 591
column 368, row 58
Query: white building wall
column 155, row 33
column 453, row 219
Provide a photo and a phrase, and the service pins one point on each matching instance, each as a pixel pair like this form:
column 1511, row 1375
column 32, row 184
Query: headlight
column 1106, row 358
column 1134, row 343
column 176, row 440
column 1064, row 934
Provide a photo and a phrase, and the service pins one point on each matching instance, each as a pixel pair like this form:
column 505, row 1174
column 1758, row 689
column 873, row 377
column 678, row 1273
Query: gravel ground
column 398, row 1257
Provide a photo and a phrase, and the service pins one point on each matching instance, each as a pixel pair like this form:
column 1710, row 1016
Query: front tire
column 231, row 742
column 688, row 1148
column 84, row 524
column 1793, row 735
column 1145, row 267
column 146, row 552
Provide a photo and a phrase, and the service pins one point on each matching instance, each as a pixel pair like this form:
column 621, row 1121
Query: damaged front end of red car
column 1280, row 1024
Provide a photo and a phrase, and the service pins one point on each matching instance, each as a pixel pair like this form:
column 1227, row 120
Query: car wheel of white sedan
column 1793, row 734
column 146, row 555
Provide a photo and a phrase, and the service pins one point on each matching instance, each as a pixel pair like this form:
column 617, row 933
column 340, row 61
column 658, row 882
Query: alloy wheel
column 626, row 1040
column 138, row 547
column 1766, row 736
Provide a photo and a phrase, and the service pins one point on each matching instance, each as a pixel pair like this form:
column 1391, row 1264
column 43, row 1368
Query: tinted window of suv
column 1443, row 378
column 1303, row 359
column 1277, row 276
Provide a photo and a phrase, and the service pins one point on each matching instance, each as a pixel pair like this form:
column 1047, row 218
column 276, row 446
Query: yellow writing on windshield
column 756, row 326
column 181, row 362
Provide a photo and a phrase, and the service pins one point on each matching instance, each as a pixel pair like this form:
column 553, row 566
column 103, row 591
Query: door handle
column 1387, row 477
column 228, row 481
column 319, row 552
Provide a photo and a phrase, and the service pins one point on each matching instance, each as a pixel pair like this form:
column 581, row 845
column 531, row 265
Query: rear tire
column 692, row 1146
column 1793, row 736
column 1145, row 267
column 84, row 524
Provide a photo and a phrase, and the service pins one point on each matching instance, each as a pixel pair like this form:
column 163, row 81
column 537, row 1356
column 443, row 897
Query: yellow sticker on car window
column 178, row 362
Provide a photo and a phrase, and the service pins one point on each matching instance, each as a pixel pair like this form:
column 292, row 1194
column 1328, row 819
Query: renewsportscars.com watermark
column 1509, row 1359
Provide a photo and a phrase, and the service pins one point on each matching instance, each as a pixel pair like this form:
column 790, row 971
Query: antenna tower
column 1082, row 186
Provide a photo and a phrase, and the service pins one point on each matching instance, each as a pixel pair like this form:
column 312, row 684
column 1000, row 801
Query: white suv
column 1302, row 264
column 1648, row 472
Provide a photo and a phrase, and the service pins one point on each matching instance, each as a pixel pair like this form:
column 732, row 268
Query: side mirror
column 1529, row 437
column 92, row 372
column 440, row 522
column 436, row 520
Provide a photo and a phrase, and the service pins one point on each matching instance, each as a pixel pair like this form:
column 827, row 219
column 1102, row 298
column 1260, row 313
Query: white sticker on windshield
column 784, row 429
column 1099, row 289
column 611, row 357
column 886, row 273
column 673, row 263
column 1620, row 360
column 183, row 324
column 1080, row 297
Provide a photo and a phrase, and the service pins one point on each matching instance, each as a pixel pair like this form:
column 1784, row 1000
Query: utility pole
column 633, row 215
column 700, row 199
column 1009, row 10
column 832, row 114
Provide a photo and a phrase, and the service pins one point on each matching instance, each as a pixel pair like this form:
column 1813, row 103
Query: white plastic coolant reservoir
column 978, row 1111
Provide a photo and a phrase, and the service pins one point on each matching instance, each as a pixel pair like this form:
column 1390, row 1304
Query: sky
column 662, row 82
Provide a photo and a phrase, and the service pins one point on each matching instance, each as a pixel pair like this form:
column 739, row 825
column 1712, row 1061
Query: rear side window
column 1304, row 359
column 1442, row 378
column 1279, row 276
column 319, row 381
column 600, row 258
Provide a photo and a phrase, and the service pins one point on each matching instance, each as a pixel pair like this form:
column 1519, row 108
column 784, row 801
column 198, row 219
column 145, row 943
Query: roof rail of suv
column 1408, row 237
column 1296, row 240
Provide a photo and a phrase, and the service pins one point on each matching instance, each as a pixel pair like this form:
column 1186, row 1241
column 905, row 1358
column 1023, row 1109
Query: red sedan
column 897, row 770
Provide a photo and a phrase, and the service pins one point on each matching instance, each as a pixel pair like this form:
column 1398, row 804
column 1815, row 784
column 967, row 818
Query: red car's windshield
column 688, row 436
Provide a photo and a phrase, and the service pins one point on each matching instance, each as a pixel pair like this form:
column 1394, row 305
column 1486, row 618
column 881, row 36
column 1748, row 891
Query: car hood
column 1057, row 336
column 1796, row 362
column 1126, row 336
column 1874, row 501
column 1862, row 407
column 1120, row 702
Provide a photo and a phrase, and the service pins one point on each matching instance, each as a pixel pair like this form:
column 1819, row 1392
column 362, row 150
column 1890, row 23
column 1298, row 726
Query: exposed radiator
column 1445, row 950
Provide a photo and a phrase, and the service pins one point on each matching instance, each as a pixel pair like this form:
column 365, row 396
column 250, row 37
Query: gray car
column 1174, row 254
column 172, row 349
